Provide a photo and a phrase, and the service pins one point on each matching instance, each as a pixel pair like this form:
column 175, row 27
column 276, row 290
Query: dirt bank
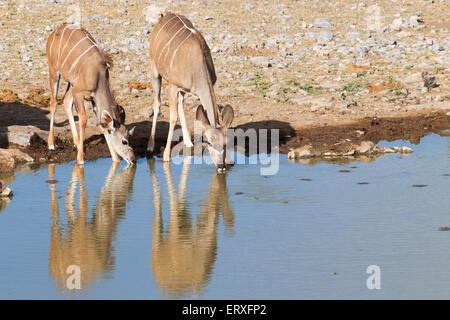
column 321, row 137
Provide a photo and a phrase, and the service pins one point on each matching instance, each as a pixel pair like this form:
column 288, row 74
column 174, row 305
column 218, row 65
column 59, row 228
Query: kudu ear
column 106, row 120
column 201, row 116
column 227, row 116
column 121, row 112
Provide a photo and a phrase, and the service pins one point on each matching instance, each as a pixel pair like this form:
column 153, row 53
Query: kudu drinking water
column 73, row 53
column 180, row 55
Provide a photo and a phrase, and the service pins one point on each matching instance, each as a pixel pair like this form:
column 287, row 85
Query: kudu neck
column 103, row 96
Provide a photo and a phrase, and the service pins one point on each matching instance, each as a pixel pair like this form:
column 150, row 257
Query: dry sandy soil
column 355, row 75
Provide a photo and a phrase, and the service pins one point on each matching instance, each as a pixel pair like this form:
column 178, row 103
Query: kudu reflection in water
column 183, row 256
column 87, row 241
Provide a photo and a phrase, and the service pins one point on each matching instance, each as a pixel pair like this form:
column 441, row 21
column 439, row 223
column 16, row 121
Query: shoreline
column 371, row 128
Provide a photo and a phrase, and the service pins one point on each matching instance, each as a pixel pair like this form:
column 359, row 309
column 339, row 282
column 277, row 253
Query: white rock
column 152, row 14
column 322, row 23
column 260, row 61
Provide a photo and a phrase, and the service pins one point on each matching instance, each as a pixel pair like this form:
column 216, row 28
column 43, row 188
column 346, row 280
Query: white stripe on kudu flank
column 190, row 29
column 62, row 66
column 60, row 39
column 156, row 37
column 78, row 59
column 168, row 42
column 175, row 52
column 51, row 44
column 68, row 39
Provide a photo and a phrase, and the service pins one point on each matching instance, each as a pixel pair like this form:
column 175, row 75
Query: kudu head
column 117, row 134
column 216, row 136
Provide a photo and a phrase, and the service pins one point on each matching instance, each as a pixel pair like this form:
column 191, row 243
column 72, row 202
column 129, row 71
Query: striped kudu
column 180, row 55
column 73, row 53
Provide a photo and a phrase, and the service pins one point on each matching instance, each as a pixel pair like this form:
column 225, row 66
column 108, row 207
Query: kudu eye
column 124, row 142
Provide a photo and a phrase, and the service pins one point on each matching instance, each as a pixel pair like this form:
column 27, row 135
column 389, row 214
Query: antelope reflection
column 183, row 256
column 87, row 241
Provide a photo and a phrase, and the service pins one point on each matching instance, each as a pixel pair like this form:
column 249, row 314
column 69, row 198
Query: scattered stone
column 26, row 58
column 429, row 81
column 260, row 61
column 5, row 192
column 324, row 37
column 414, row 21
column 345, row 149
column 353, row 35
column 152, row 14
column 21, row 136
column 397, row 24
column 322, row 23
column 303, row 152
column 9, row 158
column 363, row 51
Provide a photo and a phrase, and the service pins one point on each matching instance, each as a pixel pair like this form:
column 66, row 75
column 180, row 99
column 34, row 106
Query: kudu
column 73, row 53
column 180, row 55
column 83, row 241
column 183, row 256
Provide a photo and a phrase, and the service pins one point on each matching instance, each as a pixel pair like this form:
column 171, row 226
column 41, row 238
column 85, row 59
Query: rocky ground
column 317, row 70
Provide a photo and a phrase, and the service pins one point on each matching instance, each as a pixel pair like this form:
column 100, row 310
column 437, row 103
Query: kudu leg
column 55, row 77
column 82, row 120
column 156, row 83
column 68, row 106
column 186, row 136
column 173, row 91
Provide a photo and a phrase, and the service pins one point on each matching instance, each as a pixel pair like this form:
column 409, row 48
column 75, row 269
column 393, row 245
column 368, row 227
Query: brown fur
column 180, row 55
column 73, row 54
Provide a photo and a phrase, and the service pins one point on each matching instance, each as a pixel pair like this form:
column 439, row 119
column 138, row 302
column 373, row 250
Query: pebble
column 324, row 36
column 260, row 61
column 363, row 51
column 322, row 23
